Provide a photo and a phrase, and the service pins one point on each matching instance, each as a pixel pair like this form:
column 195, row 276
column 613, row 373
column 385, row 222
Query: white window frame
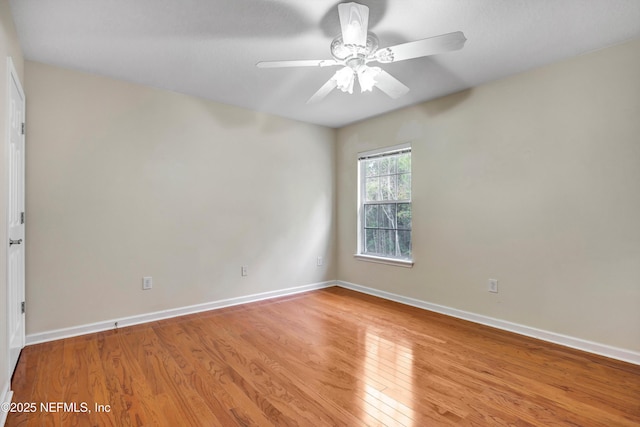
column 372, row 258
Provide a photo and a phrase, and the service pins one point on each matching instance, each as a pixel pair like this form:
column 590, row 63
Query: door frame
column 12, row 76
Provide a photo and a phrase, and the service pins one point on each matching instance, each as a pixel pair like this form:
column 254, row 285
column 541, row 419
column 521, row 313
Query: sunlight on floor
column 388, row 372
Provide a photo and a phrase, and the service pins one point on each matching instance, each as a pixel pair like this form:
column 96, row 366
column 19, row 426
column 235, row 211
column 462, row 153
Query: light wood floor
column 324, row 358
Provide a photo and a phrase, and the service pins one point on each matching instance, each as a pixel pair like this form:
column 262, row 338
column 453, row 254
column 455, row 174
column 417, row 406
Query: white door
column 15, row 217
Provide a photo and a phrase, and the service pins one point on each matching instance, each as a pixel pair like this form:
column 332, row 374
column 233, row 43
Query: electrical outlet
column 147, row 283
column 493, row 285
column 320, row 261
column 244, row 270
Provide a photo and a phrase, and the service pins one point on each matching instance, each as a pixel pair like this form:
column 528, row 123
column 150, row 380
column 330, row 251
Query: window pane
column 387, row 216
column 392, row 164
column 386, row 242
column 404, row 163
column 371, row 216
column 404, row 186
column 387, row 165
column 370, row 241
column 388, row 188
column 404, row 241
column 371, row 167
column 404, row 216
column 372, row 189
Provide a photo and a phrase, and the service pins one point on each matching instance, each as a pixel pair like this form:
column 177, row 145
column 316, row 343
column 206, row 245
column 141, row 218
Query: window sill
column 389, row 261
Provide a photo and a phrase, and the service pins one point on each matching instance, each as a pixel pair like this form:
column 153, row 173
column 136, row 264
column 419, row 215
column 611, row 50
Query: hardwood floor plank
column 96, row 391
column 130, row 398
column 328, row 384
column 337, row 379
column 163, row 377
column 473, row 351
column 354, row 350
column 289, row 399
column 212, row 380
column 286, row 371
column 51, row 375
column 75, row 373
column 331, row 357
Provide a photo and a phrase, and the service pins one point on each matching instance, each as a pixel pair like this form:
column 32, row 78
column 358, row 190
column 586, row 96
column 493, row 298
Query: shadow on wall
column 290, row 257
column 445, row 103
column 232, row 117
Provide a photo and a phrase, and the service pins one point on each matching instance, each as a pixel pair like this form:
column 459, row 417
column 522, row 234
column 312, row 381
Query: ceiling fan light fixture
column 367, row 77
column 344, row 79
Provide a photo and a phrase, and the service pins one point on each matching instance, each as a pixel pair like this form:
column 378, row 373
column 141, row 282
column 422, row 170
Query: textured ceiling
column 208, row 48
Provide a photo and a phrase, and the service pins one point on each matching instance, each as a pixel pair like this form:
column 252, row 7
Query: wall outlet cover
column 493, row 285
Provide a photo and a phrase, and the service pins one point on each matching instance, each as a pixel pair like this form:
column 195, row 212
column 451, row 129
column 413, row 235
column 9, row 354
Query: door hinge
column 21, row 217
column 23, row 128
column 22, row 307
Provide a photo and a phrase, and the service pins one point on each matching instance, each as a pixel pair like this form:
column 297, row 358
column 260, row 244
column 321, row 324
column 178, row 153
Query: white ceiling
column 208, row 48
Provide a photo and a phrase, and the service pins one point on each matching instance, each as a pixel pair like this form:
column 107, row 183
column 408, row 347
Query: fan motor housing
column 348, row 52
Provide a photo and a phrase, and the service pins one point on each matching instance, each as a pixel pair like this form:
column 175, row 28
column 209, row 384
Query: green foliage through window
column 386, row 205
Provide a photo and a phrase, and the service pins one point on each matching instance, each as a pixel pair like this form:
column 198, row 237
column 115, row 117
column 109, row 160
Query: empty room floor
column 331, row 357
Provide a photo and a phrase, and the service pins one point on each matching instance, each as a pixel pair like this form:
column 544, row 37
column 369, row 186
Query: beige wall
column 9, row 47
column 533, row 180
column 125, row 181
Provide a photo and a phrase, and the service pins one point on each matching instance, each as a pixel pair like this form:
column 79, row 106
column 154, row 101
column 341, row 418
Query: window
column 385, row 205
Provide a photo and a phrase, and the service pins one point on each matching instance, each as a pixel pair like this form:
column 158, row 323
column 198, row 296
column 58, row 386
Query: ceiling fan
column 355, row 48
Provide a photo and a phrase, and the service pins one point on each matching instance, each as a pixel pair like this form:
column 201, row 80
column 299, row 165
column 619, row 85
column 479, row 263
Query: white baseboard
column 5, row 397
column 57, row 334
column 567, row 341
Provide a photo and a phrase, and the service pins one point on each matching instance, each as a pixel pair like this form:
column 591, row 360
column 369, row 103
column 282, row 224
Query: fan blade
column 424, row 47
column 354, row 21
column 390, row 85
column 302, row 63
column 323, row 91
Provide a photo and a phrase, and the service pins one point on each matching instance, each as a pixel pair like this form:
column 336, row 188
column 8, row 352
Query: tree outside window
column 385, row 221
